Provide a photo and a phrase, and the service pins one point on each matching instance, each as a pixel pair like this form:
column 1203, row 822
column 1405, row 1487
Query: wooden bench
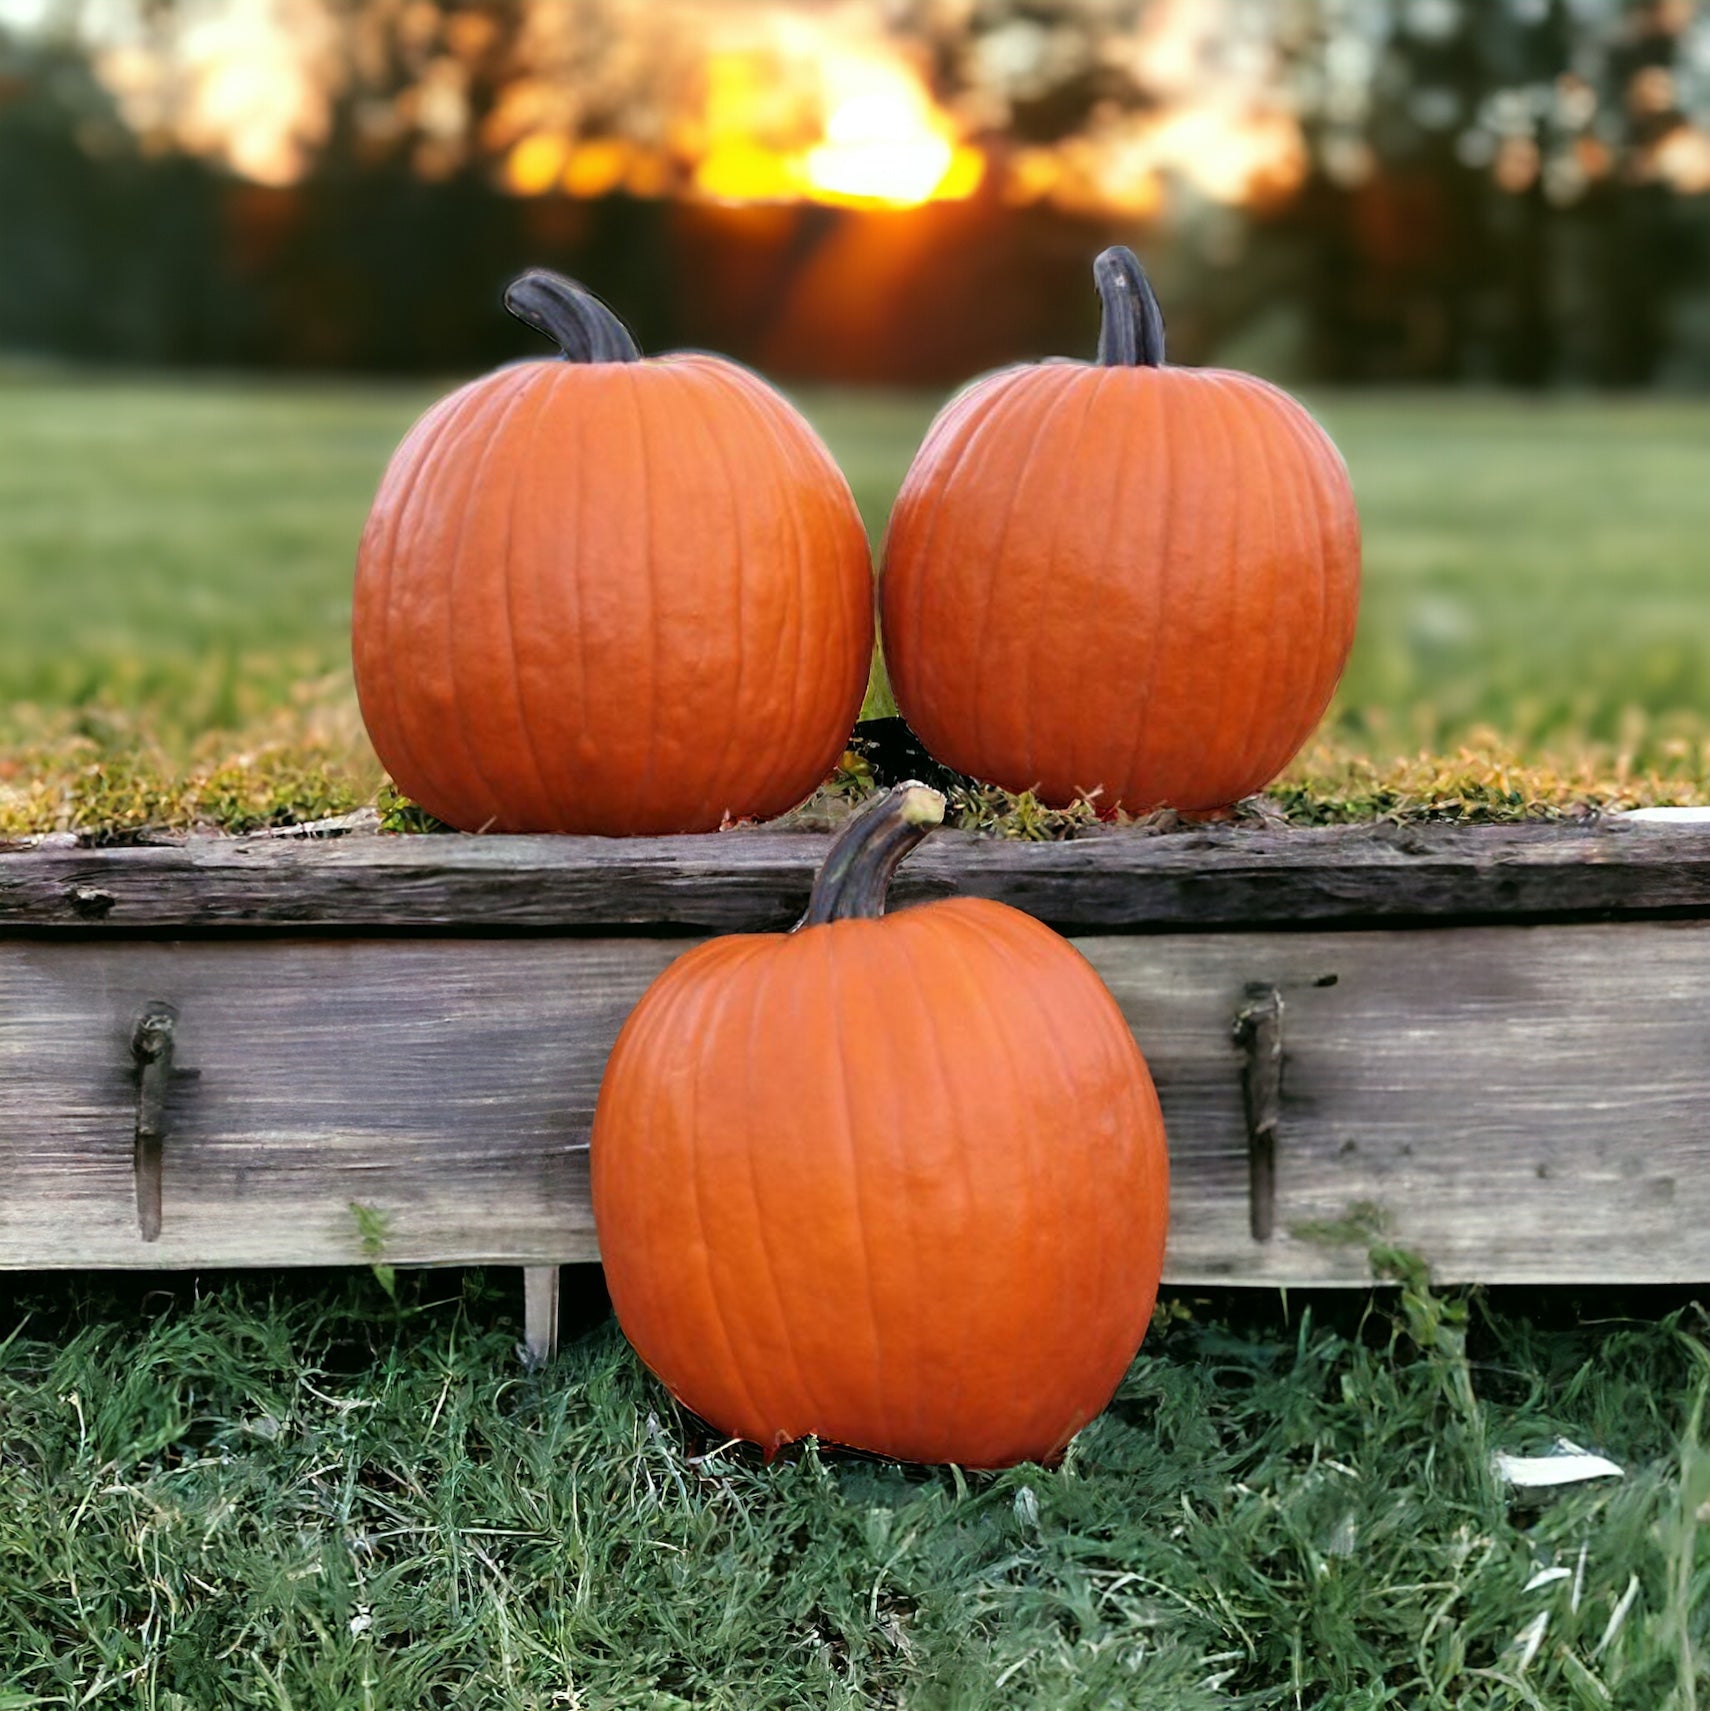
column 1487, row 1045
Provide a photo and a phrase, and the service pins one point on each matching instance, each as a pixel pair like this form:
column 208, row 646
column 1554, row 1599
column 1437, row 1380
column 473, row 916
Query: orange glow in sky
column 786, row 109
column 865, row 129
column 244, row 82
column 884, row 140
column 761, row 103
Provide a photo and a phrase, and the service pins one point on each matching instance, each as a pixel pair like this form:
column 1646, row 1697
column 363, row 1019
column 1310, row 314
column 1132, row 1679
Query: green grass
column 185, row 550
column 1542, row 568
column 298, row 1493
column 175, row 563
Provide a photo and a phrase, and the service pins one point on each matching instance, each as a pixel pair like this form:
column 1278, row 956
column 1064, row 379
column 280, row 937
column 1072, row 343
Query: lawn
column 175, row 565
column 182, row 553
column 295, row 1493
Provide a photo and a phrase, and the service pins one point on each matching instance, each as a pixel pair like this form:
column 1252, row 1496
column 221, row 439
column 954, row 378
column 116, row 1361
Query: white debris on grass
column 1026, row 1507
column 1617, row 1616
column 1564, row 1463
column 1344, row 1539
column 1547, row 1577
column 334, row 826
column 1665, row 816
column 1528, row 1640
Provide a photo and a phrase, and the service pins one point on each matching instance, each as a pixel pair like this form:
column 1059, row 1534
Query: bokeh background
column 243, row 242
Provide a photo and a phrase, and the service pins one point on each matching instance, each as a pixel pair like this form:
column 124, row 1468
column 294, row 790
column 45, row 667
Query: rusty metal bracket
column 151, row 1047
column 1258, row 1032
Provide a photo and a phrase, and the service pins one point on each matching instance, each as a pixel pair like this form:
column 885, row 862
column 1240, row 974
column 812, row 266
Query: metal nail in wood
column 1258, row 1031
column 151, row 1047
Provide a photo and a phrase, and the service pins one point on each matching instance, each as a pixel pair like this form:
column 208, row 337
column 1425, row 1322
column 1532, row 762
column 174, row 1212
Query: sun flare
column 885, row 140
column 873, row 134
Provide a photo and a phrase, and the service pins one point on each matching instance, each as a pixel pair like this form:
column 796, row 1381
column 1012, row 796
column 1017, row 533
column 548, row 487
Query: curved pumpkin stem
column 857, row 872
column 1132, row 332
column 571, row 315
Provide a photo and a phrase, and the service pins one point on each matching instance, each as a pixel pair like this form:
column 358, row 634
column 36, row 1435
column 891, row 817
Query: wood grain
column 446, row 1087
column 1524, row 1104
column 744, row 880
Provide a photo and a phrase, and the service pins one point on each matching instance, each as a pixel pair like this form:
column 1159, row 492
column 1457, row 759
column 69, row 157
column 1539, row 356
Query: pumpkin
column 894, row 1181
column 1120, row 579
column 610, row 594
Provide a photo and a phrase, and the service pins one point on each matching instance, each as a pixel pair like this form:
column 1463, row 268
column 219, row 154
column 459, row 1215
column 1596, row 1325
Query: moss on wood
column 103, row 778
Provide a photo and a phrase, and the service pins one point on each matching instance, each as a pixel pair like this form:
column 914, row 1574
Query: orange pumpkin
column 609, row 594
column 894, row 1181
column 1120, row 579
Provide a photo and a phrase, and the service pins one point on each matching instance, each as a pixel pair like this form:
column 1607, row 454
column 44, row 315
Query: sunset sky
column 841, row 101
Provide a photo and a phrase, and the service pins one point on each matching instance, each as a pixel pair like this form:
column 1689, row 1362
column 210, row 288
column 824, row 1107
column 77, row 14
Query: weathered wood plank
column 1516, row 1105
column 1524, row 1104
column 448, row 1088
column 1219, row 877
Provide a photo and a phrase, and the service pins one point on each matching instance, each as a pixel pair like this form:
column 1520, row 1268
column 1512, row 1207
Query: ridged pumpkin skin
column 897, row 1183
column 618, row 597
column 1139, row 581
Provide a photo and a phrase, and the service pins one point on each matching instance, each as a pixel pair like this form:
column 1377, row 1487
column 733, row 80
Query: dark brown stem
column 852, row 883
column 1131, row 334
column 571, row 315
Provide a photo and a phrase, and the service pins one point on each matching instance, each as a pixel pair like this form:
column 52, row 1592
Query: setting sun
column 885, row 141
column 828, row 122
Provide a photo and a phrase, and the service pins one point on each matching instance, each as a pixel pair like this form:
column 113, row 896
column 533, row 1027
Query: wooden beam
column 335, row 1102
column 745, row 880
column 1525, row 1105
column 1521, row 1105
column 540, row 1314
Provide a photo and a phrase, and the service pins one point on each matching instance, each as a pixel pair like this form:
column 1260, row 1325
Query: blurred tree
column 105, row 251
column 1502, row 190
column 395, row 227
column 1493, row 197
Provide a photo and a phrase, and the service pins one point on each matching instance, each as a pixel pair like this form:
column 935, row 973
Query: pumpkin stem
column 583, row 327
column 1131, row 334
column 852, row 883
